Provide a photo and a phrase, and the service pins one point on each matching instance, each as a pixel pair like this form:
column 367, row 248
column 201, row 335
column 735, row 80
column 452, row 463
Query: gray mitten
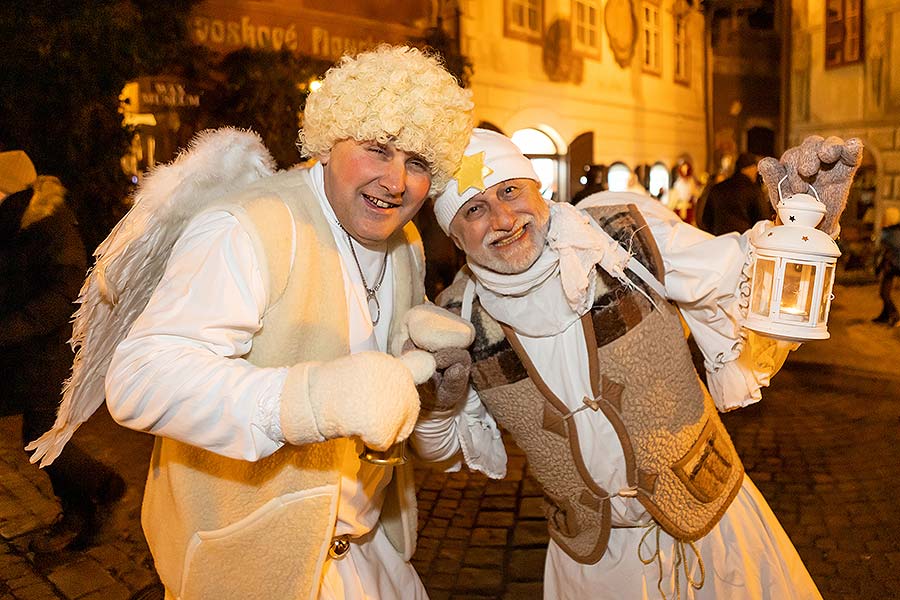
column 827, row 164
column 369, row 395
column 448, row 387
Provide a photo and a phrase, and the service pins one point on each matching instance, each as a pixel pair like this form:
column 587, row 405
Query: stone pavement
column 822, row 447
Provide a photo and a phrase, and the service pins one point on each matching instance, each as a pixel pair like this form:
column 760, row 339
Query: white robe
column 196, row 326
column 747, row 555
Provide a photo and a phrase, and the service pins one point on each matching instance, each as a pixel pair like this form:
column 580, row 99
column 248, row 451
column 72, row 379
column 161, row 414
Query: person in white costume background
column 259, row 324
column 580, row 355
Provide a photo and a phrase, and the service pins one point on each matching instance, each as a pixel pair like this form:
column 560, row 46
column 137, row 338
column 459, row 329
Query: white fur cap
column 502, row 160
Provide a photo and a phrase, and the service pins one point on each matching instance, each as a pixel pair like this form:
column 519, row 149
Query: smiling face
column 374, row 189
column 504, row 227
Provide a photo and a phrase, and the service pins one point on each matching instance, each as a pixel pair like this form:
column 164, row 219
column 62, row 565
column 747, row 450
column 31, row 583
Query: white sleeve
column 472, row 431
column 180, row 373
column 708, row 277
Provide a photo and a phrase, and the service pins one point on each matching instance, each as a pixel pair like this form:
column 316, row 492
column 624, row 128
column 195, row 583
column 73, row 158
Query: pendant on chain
column 371, row 293
column 374, row 306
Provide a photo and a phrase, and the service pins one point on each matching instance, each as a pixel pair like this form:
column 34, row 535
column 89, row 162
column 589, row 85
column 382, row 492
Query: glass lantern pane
column 797, row 291
column 763, row 276
column 827, row 283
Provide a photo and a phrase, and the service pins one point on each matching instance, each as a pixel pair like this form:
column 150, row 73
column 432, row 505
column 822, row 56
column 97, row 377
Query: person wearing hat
column 737, row 202
column 266, row 346
column 580, row 355
column 42, row 264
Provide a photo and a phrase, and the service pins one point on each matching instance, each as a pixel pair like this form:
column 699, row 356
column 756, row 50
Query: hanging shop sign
column 229, row 26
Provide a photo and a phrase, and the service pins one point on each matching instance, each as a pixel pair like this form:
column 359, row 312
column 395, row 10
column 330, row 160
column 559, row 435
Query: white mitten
column 433, row 328
column 369, row 395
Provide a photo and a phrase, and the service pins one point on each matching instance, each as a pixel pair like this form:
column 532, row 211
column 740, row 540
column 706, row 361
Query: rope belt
column 679, row 561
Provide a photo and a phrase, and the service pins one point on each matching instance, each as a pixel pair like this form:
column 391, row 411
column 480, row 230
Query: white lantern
column 793, row 273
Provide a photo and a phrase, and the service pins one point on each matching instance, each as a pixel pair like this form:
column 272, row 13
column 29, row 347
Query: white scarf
column 558, row 289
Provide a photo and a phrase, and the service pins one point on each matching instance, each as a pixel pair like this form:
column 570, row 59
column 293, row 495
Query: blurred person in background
column 683, row 194
column 889, row 266
column 42, row 265
column 634, row 183
column 738, row 202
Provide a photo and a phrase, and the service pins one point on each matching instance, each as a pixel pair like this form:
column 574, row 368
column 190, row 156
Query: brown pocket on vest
column 705, row 468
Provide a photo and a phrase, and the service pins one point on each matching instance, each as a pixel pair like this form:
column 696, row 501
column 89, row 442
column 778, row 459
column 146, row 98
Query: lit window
column 682, row 50
column 524, row 18
column 659, row 179
column 586, row 26
column 843, row 32
column 651, row 36
column 544, row 156
column 617, row 177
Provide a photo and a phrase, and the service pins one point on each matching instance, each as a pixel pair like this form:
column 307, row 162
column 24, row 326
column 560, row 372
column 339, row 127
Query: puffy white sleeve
column 440, row 438
column 180, row 373
column 709, row 278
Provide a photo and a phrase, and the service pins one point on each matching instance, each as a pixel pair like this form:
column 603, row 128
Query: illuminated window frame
column 586, row 27
column 651, row 37
column 843, row 32
column 524, row 19
column 681, row 55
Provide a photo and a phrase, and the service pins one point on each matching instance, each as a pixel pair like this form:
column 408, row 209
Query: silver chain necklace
column 371, row 293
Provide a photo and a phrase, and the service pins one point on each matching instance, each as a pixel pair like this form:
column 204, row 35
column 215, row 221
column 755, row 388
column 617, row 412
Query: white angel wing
column 131, row 261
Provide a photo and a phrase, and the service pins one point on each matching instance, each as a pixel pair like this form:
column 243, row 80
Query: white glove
column 369, row 395
column 432, row 328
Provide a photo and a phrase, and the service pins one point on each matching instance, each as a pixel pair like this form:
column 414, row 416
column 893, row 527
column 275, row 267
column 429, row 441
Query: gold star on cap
column 471, row 173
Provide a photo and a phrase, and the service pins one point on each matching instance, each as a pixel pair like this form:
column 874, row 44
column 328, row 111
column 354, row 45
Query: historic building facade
column 845, row 81
column 615, row 82
column 577, row 82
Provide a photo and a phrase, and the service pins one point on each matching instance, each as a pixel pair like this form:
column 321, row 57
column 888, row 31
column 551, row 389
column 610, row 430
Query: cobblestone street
column 822, row 447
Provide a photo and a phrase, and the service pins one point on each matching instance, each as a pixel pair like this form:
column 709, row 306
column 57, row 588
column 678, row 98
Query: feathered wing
column 130, row 262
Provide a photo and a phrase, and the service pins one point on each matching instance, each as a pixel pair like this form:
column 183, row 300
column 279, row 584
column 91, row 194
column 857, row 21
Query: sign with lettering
column 228, row 26
column 150, row 94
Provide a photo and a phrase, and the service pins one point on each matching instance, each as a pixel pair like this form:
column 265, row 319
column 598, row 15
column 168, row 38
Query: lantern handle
column 815, row 193
column 781, row 197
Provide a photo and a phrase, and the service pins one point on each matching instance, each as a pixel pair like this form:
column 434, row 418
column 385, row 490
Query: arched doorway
column 545, row 158
column 617, row 177
column 660, row 180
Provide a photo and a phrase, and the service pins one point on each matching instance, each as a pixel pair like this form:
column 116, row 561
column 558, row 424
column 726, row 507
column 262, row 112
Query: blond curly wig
column 393, row 94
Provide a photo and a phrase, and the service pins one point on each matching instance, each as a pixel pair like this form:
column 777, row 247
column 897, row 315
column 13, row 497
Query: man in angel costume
column 581, row 356
column 257, row 347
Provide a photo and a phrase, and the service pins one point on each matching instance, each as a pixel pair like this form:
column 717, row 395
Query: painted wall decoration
column 621, row 29
column 560, row 63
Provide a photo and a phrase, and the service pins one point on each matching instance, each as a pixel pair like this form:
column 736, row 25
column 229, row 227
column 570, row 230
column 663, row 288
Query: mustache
column 495, row 236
